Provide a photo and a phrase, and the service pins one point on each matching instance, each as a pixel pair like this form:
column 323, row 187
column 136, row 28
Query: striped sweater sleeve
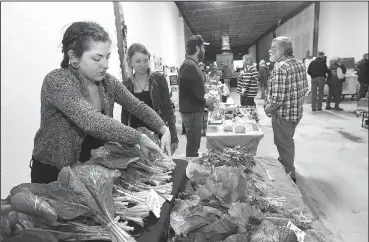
column 253, row 86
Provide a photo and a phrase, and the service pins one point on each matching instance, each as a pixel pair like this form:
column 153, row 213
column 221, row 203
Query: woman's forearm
column 163, row 129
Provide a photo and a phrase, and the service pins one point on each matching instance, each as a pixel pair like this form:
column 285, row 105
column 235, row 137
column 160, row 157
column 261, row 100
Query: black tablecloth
column 156, row 230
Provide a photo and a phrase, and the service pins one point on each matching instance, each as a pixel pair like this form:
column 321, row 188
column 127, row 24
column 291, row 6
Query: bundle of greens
column 84, row 191
column 235, row 157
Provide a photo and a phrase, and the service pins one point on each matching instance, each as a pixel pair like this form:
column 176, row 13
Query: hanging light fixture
column 225, row 43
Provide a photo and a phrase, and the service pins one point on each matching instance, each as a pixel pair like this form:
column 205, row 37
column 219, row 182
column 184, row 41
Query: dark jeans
column 362, row 91
column 317, row 82
column 43, row 173
column 336, row 92
column 283, row 139
column 193, row 124
column 247, row 101
column 263, row 87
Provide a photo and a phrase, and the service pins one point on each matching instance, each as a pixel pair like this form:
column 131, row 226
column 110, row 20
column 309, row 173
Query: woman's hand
column 173, row 147
column 147, row 146
column 165, row 140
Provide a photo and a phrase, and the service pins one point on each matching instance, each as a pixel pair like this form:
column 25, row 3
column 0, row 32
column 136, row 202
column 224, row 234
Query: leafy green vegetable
column 227, row 184
column 243, row 213
column 35, row 188
column 27, row 202
column 237, row 238
column 222, row 227
column 187, row 215
column 235, row 157
column 6, row 227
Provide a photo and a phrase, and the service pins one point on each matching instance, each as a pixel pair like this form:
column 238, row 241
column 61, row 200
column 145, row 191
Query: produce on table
column 239, row 128
column 81, row 191
column 233, row 157
column 90, row 201
column 228, row 126
column 229, row 203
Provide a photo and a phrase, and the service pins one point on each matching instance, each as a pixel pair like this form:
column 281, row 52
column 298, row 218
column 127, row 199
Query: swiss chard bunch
column 81, row 191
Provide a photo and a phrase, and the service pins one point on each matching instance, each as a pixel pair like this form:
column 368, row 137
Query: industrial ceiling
column 243, row 22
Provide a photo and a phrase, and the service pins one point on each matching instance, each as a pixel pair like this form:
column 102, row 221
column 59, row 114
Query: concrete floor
column 331, row 164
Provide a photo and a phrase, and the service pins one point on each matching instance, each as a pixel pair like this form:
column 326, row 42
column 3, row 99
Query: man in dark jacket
column 263, row 78
column 318, row 71
column 363, row 76
column 191, row 93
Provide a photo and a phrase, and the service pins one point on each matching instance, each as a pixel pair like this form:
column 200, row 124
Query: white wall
column 31, row 34
column 300, row 29
column 343, row 29
column 252, row 52
column 263, row 46
column 181, row 40
column 155, row 25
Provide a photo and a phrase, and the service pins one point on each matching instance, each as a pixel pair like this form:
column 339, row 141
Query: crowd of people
column 77, row 100
column 334, row 76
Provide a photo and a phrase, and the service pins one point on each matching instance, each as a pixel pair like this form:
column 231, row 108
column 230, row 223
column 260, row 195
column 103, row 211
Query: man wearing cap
column 318, row 71
column 191, row 93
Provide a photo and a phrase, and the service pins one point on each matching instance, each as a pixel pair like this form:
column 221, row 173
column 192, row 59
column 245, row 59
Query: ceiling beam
column 255, row 5
column 283, row 20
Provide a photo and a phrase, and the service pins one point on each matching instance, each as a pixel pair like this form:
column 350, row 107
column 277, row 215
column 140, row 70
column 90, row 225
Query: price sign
column 298, row 232
column 154, row 201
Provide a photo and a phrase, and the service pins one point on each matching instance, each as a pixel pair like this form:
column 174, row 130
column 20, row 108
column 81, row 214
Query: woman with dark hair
column 149, row 87
column 77, row 103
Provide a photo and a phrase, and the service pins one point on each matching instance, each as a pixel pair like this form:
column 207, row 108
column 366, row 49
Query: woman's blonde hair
column 334, row 61
column 247, row 59
column 132, row 50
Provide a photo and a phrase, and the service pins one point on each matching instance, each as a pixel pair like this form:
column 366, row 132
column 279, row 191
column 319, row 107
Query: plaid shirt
column 287, row 88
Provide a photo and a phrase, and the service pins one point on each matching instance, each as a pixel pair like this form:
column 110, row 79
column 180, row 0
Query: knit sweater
column 68, row 115
column 248, row 79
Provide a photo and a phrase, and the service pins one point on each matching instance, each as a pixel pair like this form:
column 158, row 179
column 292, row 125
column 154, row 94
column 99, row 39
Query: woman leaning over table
column 77, row 102
column 149, row 87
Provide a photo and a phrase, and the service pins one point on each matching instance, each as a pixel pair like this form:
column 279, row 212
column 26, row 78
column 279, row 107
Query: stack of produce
column 91, row 201
column 226, row 200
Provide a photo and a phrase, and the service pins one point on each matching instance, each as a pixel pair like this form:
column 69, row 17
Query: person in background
column 263, row 78
column 335, row 80
column 77, row 103
column 191, row 93
column 206, row 79
column 150, row 88
column 288, row 86
column 202, row 68
column 362, row 68
column 247, row 85
column 227, row 75
column 318, row 71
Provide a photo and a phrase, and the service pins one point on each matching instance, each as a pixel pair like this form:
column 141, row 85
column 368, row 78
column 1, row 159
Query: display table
column 217, row 139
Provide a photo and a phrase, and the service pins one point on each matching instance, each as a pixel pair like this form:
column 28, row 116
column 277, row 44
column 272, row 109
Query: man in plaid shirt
column 288, row 85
